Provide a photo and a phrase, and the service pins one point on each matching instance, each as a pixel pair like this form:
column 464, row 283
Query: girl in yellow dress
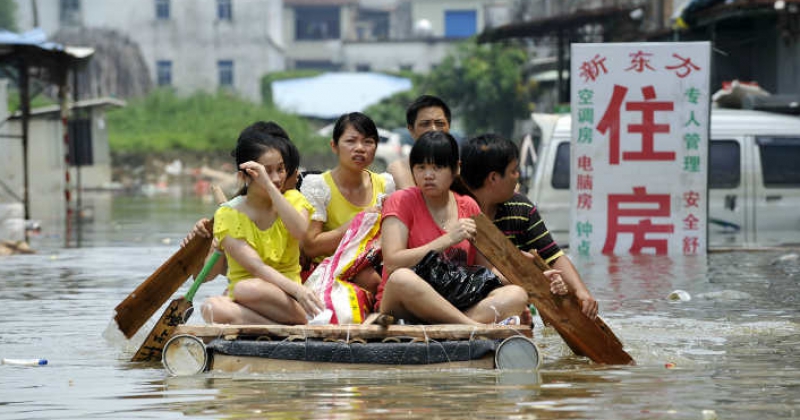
column 259, row 232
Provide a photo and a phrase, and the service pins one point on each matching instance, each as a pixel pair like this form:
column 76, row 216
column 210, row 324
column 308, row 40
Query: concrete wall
column 46, row 167
column 405, row 48
column 193, row 38
column 12, row 212
column 311, row 50
column 433, row 11
column 46, row 171
column 392, row 56
column 788, row 64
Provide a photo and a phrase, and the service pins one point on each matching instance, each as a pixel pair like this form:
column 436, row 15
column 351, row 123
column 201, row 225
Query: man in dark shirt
column 490, row 168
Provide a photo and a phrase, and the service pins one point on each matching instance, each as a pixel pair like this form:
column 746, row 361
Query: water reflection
column 731, row 348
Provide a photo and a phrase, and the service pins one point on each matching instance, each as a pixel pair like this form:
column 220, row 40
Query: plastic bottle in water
column 25, row 362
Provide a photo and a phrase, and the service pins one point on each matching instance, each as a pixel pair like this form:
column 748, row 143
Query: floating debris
column 679, row 296
column 786, row 258
column 25, row 362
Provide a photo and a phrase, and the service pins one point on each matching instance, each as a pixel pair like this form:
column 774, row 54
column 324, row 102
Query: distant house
column 90, row 161
column 211, row 44
column 753, row 41
column 382, row 35
column 189, row 45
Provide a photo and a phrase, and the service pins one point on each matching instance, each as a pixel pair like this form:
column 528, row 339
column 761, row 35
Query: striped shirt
column 519, row 220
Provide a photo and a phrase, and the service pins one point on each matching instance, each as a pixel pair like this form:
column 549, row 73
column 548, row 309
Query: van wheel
column 378, row 165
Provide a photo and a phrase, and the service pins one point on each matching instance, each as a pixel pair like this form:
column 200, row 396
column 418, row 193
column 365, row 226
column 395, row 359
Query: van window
column 779, row 157
column 724, row 164
column 724, row 169
column 560, row 179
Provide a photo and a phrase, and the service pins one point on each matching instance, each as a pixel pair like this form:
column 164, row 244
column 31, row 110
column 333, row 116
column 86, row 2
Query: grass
column 202, row 122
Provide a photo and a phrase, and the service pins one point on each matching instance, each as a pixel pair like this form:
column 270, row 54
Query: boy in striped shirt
column 490, row 168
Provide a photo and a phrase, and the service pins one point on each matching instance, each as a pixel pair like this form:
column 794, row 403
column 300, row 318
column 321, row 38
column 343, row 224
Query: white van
column 754, row 178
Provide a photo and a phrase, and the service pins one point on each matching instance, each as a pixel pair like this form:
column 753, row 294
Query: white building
column 189, row 44
column 207, row 44
column 382, row 35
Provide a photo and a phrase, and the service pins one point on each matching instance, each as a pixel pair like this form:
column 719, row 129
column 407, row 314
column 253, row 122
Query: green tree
column 390, row 113
column 485, row 86
column 8, row 10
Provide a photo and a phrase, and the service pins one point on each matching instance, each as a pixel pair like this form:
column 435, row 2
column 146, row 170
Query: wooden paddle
column 143, row 302
column 177, row 313
column 591, row 338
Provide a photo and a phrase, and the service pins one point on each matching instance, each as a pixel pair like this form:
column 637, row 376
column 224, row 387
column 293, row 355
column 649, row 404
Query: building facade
column 382, row 35
column 210, row 44
column 189, row 45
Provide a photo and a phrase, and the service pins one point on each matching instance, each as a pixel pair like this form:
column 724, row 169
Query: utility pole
column 35, row 13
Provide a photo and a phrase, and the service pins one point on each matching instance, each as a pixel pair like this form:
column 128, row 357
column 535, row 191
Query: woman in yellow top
column 259, row 233
column 346, row 190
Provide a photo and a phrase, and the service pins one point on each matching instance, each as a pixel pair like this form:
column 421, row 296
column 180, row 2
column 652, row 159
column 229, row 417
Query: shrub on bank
column 203, row 122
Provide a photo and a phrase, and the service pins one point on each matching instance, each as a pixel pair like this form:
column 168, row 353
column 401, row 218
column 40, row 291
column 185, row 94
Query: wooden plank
column 145, row 300
column 356, row 331
column 591, row 338
column 177, row 313
column 153, row 345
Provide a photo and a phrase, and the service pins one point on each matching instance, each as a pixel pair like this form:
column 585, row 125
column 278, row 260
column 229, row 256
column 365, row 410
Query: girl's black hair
column 291, row 156
column 440, row 149
column 253, row 143
column 360, row 122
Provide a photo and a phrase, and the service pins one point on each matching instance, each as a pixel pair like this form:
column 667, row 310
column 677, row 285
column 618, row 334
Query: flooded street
column 730, row 349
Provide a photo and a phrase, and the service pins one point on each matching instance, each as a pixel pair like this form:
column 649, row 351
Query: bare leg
column 406, row 295
column 269, row 301
column 222, row 310
column 501, row 303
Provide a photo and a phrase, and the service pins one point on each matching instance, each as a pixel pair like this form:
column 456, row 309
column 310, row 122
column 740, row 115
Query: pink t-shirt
column 408, row 205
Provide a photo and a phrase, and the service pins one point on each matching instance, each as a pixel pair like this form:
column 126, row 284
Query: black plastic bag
column 463, row 286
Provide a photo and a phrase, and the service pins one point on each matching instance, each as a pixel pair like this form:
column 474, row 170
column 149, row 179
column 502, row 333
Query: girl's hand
column 461, row 229
column 199, row 229
column 557, row 284
column 254, row 169
column 308, row 300
column 258, row 173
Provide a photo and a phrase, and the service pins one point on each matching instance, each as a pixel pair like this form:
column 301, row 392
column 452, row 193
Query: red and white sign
column 640, row 124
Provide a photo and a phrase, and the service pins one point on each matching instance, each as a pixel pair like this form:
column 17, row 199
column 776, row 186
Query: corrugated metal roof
column 37, row 38
column 82, row 104
column 330, row 95
column 41, row 52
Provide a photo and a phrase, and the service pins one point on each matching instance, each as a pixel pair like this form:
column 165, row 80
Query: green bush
column 164, row 121
column 484, row 85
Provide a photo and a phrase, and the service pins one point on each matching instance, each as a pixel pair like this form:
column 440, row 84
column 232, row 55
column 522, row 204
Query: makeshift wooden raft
column 269, row 348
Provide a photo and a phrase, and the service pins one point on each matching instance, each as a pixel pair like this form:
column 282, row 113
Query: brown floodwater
column 730, row 351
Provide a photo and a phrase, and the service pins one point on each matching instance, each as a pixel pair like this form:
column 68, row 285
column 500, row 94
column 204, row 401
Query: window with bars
column 164, row 72
column 225, row 71
column 70, row 12
column 162, row 9
column 316, row 23
column 224, row 10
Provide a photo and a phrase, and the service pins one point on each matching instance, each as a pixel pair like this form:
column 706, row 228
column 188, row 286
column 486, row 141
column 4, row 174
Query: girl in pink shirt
column 430, row 216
